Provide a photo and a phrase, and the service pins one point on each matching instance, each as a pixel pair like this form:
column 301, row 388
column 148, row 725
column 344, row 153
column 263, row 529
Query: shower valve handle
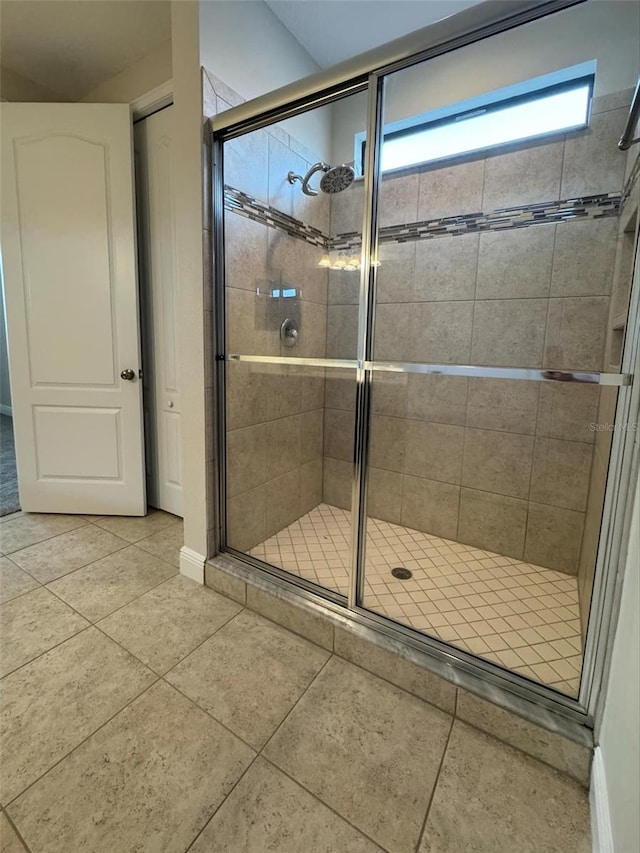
column 288, row 333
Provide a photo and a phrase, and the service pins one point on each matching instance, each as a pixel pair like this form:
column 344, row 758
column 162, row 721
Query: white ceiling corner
column 334, row 30
column 72, row 46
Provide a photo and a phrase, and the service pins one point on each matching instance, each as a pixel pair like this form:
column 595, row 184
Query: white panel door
column 69, row 263
column 159, row 299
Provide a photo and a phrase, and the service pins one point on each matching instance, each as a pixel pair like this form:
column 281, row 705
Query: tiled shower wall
column 274, row 413
column 502, row 465
column 627, row 236
column 497, row 464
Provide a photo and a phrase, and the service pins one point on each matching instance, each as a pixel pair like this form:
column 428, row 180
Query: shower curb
column 446, row 681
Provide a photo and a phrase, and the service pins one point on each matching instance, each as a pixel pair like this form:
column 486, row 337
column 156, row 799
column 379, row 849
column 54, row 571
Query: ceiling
column 71, row 46
column 335, row 30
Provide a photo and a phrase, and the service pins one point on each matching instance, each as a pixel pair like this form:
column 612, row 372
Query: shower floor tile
column 516, row 614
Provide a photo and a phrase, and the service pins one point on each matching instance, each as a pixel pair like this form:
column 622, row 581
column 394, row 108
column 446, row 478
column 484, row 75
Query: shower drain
column 401, row 573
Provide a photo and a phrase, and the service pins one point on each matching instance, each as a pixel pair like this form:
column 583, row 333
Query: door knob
column 128, row 374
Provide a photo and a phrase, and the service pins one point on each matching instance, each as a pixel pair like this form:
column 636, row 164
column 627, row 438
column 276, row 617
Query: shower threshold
column 521, row 616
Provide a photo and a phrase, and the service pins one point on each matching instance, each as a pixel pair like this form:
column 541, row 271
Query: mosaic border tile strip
column 598, row 206
column 516, row 614
column 503, row 219
column 251, row 208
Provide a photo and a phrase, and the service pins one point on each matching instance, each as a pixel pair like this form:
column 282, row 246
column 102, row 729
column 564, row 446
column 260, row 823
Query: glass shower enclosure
column 423, row 303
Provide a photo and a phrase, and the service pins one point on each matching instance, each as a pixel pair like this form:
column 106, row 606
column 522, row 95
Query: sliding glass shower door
column 498, row 224
column 291, row 339
column 426, row 293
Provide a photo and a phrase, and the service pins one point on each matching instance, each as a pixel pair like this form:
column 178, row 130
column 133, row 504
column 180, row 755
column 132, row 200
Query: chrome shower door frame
column 534, row 700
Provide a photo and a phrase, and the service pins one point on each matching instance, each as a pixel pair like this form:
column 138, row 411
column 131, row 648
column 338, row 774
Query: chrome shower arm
column 627, row 139
column 306, row 189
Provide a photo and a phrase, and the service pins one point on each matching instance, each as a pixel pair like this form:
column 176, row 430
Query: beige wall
column 618, row 733
column 245, row 45
column 188, row 188
column 15, row 87
column 137, row 79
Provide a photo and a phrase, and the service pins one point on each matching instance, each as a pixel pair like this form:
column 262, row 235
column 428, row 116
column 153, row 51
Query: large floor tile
column 165, row 544
column 12, row 516
column 491, row 798
column 49, row 560
column 33, row 624
column 148, row 780
column 9, row 841
column 285, row 612
column 164, row 625
column 269, row 813
column 552, row 748
column 13, row 581
column 136, row 527
column 51, row 705
column 399, row 671
column 102, row 587
column 367, row 749
column 29, row 528
column 249, row 675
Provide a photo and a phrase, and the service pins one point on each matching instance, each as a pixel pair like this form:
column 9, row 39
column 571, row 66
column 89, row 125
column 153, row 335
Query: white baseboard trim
column 601, row 834
column 192, row 564
column 6, row 410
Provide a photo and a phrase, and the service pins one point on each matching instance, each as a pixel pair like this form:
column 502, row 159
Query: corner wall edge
column 601, row 831
column 192, row 564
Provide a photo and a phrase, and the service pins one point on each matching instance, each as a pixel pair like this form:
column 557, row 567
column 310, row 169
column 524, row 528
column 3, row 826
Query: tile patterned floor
column 142, row 712
column 521, row 616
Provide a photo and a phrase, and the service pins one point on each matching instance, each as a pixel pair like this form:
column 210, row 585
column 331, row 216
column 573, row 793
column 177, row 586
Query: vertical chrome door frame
column 624, row 463
column 219, row 344
column 366, row 319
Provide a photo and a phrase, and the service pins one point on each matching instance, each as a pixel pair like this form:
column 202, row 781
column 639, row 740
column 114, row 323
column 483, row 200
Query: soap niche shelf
column 616, row 344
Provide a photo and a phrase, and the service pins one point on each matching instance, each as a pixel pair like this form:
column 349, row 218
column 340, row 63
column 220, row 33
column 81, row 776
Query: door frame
column 155, row 99
column 151, row 102
column 544, row 706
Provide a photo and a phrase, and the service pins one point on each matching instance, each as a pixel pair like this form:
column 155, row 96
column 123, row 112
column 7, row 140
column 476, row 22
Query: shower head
column 337, row 179
column 334, row 180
